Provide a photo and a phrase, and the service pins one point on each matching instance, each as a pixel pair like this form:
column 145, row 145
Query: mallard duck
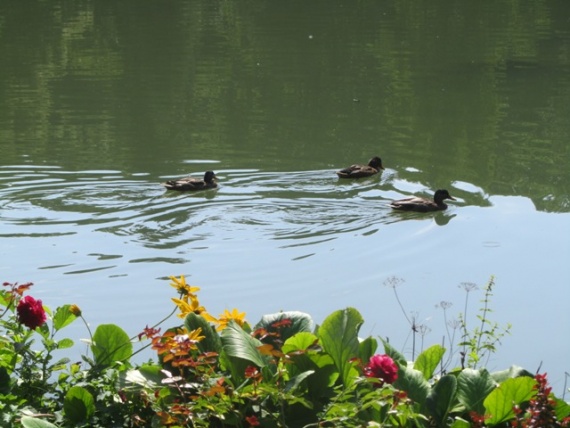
column 422, row 204
column 357, row 171
column 189, row 183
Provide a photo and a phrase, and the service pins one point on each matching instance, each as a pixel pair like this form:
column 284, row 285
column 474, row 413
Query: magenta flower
column 31, row 312
column 383, row 368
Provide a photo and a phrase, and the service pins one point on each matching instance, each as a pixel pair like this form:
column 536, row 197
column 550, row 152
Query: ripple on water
column 300, row 208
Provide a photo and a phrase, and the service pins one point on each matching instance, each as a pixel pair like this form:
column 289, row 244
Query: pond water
column 103, row 101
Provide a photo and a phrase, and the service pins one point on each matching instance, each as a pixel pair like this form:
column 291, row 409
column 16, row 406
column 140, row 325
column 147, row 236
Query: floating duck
column 422, row 204
column 357, row 171
column 189, row 183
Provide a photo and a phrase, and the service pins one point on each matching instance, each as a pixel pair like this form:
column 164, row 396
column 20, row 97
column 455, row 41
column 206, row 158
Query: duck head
column 442, row 194
column 376, row 163
column 209, row 176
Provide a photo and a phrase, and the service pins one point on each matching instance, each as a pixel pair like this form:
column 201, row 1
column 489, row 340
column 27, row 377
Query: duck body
column 423, row 205
column 358, row 171
column 190, row 184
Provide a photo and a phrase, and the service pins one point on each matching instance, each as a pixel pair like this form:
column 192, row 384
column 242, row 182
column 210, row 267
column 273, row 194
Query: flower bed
column 218, row 371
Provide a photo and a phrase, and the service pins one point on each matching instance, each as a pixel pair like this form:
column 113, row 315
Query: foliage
column 221, row 372
column 482, row 341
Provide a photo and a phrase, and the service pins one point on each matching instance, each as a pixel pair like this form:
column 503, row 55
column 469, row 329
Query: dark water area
column 101, row 101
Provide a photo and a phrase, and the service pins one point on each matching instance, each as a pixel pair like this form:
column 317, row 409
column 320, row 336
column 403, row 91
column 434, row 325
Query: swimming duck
column 189, row 183
column 422, row 204
column 357, row 171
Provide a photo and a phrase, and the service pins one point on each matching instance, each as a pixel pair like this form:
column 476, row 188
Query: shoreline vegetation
column 285, row 371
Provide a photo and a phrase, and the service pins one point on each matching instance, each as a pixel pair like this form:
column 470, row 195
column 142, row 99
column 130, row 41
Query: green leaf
column 472, row 388
column 211, row 341
column 78, row 405
column 62, row 317
column 296, row 381
column 238, row 344
column 339, row 337
column 428, row 360
column 499, row 403
column 441, row 399
column 511, row 372
column 110, row 344
column 367, row 348
column 460, row 423
column 64, row 344
column 299, row 342
column 147, row 376
column 413, row 382
column 60, row 364
column 29, row 422
column 561, row 409
column 394, row 354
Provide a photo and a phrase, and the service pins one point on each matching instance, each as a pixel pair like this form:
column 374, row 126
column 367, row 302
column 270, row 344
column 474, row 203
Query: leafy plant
column 220, row 372
column 479, row 343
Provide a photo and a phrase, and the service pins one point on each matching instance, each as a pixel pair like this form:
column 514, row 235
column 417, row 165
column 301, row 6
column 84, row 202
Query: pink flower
column 383, row 368
column 31, row 312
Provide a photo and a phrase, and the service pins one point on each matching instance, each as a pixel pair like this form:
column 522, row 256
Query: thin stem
column 402, row 306
column 488, row 293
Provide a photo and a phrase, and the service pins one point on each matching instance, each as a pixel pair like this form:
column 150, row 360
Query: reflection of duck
column 189, row 183
column 422, row 204
column 357, row 171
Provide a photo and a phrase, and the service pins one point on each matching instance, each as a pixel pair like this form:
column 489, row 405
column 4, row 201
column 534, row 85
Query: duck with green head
column 189, row 183
column 423, row 204
column 357, row 171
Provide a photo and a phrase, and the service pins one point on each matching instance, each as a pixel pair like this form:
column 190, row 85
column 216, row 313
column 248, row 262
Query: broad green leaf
column 428, row 360
column 285, row 324
column 299, row 342
column 562, row 409
column 62, row 317
column 460, row 423
column 78, row 405
column 511, row 372
column 144, row 377
column 236, row 366
column 366, row 349
column 499, row 403
column 296, row 381
column 413, row 382
column 472, row 388
column 339, row 337
column 441, row 398
column 30, row 422
column 64, row 343
column 211, row 341
column 110, row 344
column 394, row 354
column 238, row 344
column 310, row 359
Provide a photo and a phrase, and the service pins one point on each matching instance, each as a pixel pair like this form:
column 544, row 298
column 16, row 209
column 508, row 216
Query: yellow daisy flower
column 189, row 303
column 227, row 316
column 181, row 286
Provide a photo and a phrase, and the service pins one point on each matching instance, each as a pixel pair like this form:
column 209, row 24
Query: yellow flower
column 75, row 310
column 187, row 304
column 227, row 316
column 195, row 335
column 181, row 286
